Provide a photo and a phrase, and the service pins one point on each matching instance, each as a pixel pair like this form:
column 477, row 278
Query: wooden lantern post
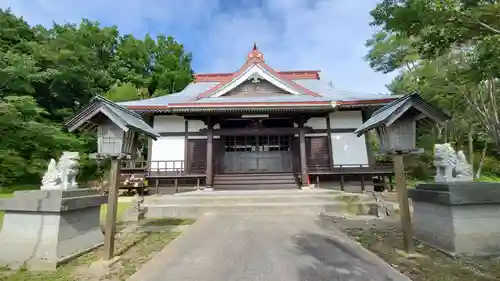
column 404, row 205
column 395, row 124
column 111, row 214
column 117, row 133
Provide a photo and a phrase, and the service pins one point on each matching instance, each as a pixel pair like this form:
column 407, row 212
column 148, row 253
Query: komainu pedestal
column 41, row 228
column 460, row 218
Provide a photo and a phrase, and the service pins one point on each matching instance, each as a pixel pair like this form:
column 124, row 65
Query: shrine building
column 259, row 128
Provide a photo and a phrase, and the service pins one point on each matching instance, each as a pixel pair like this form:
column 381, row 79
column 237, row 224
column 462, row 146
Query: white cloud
column 293, row 34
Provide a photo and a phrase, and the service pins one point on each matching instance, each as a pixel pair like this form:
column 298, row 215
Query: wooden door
column 317, row 152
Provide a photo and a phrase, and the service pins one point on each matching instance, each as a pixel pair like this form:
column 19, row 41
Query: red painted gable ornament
column 255, row 54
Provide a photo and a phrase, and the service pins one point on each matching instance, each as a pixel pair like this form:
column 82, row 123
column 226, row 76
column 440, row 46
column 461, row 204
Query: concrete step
column 235, row 199
column 313, row 207
column 265, row 193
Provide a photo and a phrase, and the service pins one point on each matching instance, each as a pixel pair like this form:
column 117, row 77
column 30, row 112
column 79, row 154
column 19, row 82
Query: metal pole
column 404, row 205
column 110, row 229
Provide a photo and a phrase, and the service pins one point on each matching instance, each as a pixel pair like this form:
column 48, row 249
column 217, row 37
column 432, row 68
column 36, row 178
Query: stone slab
column 457, row 193
column 52, row 200
column 43, row 228
column 458, row 229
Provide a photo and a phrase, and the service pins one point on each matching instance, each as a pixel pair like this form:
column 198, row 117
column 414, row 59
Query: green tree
column 451, row 53
column 47, row 73
column 29, row 140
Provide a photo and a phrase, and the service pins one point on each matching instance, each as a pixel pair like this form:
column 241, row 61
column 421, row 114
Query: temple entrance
column 257, row 154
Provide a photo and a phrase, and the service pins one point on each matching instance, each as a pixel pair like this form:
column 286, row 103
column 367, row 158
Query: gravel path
column 266, row 248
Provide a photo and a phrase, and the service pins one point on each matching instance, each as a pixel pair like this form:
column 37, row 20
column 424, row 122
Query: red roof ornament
column 255, row 54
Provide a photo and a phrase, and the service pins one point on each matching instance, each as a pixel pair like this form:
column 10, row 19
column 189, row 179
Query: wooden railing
column 379, row 174
column 165, row 168
column 351, row 168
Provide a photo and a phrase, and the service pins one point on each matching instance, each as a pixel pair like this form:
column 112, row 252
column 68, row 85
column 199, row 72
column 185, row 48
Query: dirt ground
column 383, row 237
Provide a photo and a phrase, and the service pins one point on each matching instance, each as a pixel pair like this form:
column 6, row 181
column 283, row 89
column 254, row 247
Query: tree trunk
column 471, row 147
column 481, row 161
column 445, row 132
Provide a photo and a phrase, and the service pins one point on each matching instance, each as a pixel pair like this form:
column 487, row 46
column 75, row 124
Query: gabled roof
column 124, row 118
column 304, row 87
column 389, row 113
column 256, row 68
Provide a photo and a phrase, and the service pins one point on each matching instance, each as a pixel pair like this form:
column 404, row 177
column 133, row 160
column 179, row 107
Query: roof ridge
column 114, row 104
column 394, row 102
column 256, row 58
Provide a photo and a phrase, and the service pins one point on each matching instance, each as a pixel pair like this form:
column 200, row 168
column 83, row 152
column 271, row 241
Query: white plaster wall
column 196, row 125
column 169, row 123
column 318, row 123
column 345, row 119
column 168, row 148
column 348, row 149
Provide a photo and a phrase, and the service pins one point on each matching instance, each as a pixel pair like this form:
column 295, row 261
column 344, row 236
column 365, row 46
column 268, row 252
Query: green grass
column 122, row 207
column 489, row 179
column 134, row 249
column 11, row 189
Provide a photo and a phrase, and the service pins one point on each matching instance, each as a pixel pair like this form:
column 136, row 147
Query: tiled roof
column 303, row 86
column 327, row 93
column 191, row 91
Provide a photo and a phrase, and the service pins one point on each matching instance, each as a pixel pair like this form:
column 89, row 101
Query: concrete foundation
column 458, row 218
column 44, row 227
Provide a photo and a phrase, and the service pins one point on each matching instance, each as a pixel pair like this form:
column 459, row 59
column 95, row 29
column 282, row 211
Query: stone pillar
column 210, row 137
column 303, row 157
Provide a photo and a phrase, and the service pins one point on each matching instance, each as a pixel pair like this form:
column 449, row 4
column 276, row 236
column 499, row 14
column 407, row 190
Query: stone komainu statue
column 450, row 165
column 62, row 174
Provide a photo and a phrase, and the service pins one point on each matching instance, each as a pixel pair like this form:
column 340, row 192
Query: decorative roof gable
column 255, row 69
column 124, row 118
column 392, row 111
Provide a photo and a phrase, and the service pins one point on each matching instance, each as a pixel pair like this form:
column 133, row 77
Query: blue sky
column 326, row 35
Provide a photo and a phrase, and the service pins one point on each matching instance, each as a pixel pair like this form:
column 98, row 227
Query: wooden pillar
column 186, row 168
column 303, row 157
column 365, row 115
column 150, row 122
column 329, row 135
column 210, row 137
column 110, row 229
column 404, row 205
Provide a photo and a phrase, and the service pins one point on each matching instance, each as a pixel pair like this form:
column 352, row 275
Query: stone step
column 255, row 186
column 312, row 207
column 251, row 181
column 255, row 177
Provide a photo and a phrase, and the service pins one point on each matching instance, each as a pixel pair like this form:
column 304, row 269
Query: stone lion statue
column 450, row 165
column 62, row 174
